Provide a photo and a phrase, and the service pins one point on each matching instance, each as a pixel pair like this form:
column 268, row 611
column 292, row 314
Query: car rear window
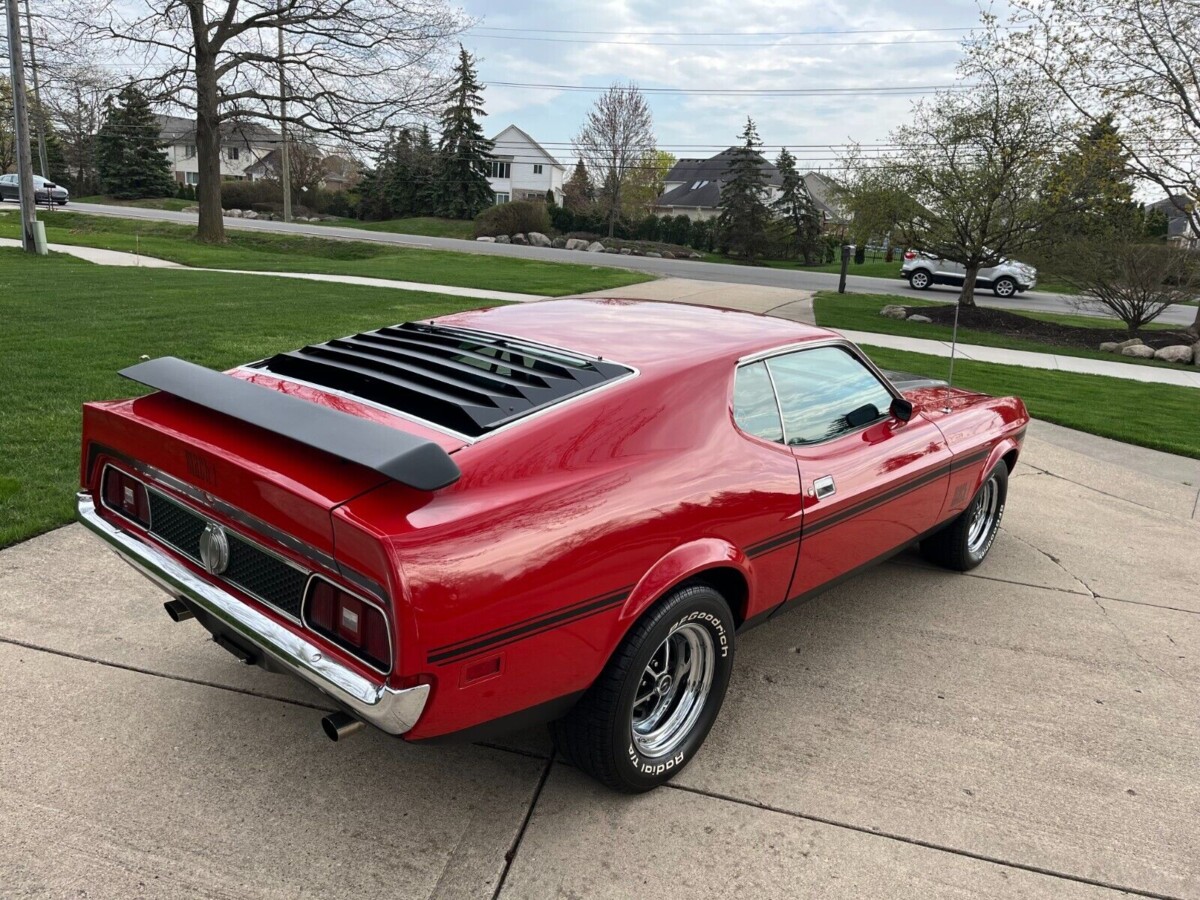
column 469, row 382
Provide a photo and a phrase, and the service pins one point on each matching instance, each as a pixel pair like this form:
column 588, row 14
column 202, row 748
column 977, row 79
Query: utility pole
column 40, row 119
column 21, row 128
column 285, row 163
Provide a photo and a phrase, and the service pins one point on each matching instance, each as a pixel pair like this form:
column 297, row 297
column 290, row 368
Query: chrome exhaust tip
column 339, row 725
column 178, row 610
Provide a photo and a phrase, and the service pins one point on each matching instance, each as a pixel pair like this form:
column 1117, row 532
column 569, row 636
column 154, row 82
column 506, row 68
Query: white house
column 521, row 169
column 242, row 145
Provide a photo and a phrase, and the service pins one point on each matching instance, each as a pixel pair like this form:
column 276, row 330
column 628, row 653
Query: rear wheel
column 920, row 280
column 1004, row 287
column 963, row 544
column 652, row 707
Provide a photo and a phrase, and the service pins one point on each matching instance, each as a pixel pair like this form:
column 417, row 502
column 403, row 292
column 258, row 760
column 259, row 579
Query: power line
column 740, row 92
column 773, row 44
column 729, row 33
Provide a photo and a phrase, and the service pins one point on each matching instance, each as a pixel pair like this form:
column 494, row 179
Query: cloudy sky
column 731, row 45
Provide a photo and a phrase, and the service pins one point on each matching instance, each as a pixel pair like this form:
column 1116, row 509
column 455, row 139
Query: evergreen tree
column 578, row 193
column 798, row 212
column 423, row 171
column 744, row 213
column 463, row 152
column 129, row 153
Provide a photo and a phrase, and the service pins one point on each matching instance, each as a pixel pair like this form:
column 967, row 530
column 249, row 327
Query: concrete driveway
column 1029, row 730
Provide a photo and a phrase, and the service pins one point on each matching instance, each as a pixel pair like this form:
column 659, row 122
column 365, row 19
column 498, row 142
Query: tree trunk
column 1194, row 328
column 967, row 297
column 208, row 152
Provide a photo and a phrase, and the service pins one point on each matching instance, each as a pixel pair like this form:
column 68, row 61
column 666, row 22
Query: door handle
column 824, row 487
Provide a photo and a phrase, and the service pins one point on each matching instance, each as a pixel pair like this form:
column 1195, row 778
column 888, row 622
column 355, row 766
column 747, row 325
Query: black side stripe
column 863, row 506
column 500, row 637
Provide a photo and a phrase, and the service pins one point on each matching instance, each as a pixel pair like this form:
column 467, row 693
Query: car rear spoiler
column 403, row 457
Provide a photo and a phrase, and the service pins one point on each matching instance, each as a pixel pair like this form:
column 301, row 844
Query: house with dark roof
column 522, row 169
column 242, row 145
column 1180, row 228
column 693, row 188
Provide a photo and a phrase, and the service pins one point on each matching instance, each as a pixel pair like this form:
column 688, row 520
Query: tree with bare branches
column 1137, row 61
column 971, row 181
column 347, row 69
column 617, row 135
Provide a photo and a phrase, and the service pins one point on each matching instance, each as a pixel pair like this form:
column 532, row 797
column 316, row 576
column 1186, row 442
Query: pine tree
column 463, row 152
column 744, row 213
column 129, row 153
column 578, row 193
column 797, row 210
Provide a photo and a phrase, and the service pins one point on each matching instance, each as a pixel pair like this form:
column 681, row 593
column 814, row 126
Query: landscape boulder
column 595, row 247
column 1138, row 351
column 502, row 239
column 558, row 243
column 1110, row 347
column 919, row 319
column 520, row 239
column 233, row 213
column 486, row 240
column 576, row 244
column 625, row 251
column 249, row 214
column 653, row 253
column 695, row 256
column 667, row 254
column 1132, row 342
column 191, row 209
column 894, row 312
column 1176, row 353
column 537, row 239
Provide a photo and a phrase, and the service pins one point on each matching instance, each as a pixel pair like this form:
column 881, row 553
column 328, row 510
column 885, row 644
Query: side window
column 825, row 392
column 754, row 407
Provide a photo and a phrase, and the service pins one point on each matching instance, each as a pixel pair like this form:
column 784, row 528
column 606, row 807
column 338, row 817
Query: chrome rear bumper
column 393, row 711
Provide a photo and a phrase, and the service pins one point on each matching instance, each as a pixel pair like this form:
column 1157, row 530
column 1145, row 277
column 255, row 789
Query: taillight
column 908, row 254
column 349, row 621
column 126, row 495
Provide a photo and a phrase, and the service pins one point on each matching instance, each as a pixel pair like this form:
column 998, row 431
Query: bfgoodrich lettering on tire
column 652, row 707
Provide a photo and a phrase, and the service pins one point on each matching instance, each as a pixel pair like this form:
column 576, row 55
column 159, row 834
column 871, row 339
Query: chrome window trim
column 787, row 350
column 314, row 576
column 205, row 500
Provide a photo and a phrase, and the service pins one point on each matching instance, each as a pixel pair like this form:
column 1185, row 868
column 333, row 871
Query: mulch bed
column 998, row 321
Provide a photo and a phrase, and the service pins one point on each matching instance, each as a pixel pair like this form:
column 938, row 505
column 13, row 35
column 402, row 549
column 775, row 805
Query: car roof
column 651, row 335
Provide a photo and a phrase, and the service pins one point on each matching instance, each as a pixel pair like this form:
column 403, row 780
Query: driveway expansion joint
column 516, row 844
column 928, row 845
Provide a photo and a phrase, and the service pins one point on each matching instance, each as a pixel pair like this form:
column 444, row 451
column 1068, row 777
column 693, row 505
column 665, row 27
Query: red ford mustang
column 562, row 511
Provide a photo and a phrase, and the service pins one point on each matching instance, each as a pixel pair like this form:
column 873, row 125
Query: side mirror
column 901, row 409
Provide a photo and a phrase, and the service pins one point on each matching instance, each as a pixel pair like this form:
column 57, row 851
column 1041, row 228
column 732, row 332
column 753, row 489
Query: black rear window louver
column 470, row 382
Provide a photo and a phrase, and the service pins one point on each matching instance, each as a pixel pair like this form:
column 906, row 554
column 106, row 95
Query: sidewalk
column 797, row 306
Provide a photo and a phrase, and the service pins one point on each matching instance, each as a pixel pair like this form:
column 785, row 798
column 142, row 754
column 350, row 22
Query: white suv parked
column 1006, row 280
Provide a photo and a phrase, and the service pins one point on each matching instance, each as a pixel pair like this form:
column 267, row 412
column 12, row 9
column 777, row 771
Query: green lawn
column 172, row 203
column 860, row 312
column 1159, row 416
column 869, row 269
column 426, row 226
column 265, row 252
column 69, row 326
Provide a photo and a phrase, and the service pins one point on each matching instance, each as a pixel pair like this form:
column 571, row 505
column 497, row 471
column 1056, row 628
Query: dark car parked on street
column 44, row 190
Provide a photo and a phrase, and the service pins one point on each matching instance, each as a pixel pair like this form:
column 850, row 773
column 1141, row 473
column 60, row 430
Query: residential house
column 333, row 172
column 1180, row 229
column 242, row 145
column 693, row 188
column 521, row 169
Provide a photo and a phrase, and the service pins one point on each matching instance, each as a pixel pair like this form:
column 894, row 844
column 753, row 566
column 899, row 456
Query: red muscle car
column 562, row 512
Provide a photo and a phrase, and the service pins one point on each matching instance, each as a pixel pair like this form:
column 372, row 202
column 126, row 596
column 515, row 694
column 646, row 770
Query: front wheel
column 1004, row 287
column 962, row 544
column 652, row 707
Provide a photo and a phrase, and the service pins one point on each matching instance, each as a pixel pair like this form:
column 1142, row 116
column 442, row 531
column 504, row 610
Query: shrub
column 245, row 194
column 517, row 217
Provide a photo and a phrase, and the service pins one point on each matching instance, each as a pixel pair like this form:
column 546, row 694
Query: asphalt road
column 753, row 275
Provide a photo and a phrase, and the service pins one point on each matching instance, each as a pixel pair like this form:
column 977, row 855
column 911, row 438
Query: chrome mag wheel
column 983, row 516
column 673, row 690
